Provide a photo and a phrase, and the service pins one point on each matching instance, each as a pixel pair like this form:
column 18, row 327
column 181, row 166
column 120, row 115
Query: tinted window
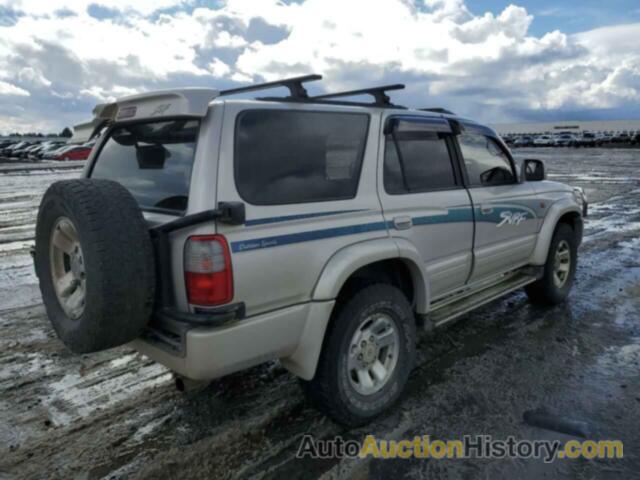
column 153, row 161
column 415, row 163
column 293, row 157
column 486, row 162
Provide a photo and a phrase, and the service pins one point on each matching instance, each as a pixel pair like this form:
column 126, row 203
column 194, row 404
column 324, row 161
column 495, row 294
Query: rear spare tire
column 94, row 260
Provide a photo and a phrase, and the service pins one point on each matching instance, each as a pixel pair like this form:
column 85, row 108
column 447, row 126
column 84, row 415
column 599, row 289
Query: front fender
column 555, row 212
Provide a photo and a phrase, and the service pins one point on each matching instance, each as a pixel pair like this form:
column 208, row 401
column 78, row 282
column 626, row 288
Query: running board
column 442, row 314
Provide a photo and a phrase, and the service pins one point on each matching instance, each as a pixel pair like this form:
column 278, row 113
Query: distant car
column 524, row 141
column 8, row 151
column 587, row 139
column 76, row 152
column 543, row 141
column 5, row 144
column 40, row 154
column 24, row 153
column 621, row 137
column 51, row 154
column 602, row 138
column 565, row 140
column 16, row 152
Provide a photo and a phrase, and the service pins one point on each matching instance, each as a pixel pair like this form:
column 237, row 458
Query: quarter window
column 487, row 163
column 417, row 163
column 284, row 156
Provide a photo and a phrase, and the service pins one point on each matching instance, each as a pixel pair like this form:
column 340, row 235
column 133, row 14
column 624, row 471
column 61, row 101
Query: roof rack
column 378, row 94
column 294, row 84
column 437, row 110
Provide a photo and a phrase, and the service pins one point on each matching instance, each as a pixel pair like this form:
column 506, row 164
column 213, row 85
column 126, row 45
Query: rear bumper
column 211, row 352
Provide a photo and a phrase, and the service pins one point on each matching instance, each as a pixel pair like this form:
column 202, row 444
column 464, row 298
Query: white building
column 569, row 126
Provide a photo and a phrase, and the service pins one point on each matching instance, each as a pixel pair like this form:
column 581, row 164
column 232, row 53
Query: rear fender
column 304, row 360
column 349, row 259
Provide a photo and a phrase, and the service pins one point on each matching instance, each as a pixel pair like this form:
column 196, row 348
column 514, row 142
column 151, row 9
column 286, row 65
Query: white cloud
column 218, row 68
column 107, row 95
column 445, row 54
column 47, row 7
column 34, row 77
column 9, row 89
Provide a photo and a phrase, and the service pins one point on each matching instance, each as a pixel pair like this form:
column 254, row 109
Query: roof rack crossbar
column 294, row 84
column 378, row 93
column 437, row 110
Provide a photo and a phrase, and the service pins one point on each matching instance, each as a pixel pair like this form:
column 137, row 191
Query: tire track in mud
column 116, row 415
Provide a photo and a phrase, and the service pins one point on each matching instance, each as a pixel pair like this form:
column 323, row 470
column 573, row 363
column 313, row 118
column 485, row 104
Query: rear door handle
column 402, row 222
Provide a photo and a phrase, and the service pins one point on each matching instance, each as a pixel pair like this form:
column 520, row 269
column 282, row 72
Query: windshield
column 153, row 161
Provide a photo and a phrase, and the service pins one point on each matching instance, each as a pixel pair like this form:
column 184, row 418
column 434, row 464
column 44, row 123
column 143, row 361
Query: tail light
column 207, row 270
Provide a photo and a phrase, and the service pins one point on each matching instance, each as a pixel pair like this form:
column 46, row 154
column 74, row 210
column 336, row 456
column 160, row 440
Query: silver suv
column 215, row 234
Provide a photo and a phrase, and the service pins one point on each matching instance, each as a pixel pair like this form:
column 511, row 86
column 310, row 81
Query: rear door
column 306, row 175
column 423, row 197
column 505, row 210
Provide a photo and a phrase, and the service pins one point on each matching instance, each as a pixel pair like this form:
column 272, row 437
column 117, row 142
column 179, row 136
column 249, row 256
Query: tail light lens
column 207, row 270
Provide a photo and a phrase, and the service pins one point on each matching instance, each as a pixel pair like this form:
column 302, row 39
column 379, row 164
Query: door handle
column 402, row 223
column 486, row 210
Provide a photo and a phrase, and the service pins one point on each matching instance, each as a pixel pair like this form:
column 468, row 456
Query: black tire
column 331, row 390
column 117, row 256
column 545, row 291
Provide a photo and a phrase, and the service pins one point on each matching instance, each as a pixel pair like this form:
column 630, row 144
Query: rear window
column 284, row 156
column 153, row 161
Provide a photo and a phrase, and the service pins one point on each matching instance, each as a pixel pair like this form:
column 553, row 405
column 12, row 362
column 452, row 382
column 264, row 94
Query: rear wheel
column 559, row 269
column 368, row 353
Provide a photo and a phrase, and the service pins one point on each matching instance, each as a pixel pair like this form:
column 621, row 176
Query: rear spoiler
column 182, row 102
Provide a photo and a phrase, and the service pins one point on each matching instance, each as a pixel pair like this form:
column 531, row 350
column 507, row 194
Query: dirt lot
column 117, row 415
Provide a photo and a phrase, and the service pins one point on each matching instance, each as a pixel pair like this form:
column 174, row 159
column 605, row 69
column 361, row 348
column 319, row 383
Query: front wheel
column 559, row 269
column 367, row 356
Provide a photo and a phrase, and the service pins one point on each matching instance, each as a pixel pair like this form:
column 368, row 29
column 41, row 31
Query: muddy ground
column 117, row 415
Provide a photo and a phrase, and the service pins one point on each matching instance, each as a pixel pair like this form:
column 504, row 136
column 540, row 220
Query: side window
column 487, row 164
column 285, row 156
column 417, row 163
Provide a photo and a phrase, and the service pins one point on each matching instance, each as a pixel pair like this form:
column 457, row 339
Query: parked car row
column 570, row 139
column 44, row 150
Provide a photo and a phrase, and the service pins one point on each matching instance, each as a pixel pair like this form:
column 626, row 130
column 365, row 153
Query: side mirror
column 533, row 170
column 151, row 157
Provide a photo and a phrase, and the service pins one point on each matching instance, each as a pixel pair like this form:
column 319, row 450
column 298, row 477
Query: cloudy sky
column 493, row 60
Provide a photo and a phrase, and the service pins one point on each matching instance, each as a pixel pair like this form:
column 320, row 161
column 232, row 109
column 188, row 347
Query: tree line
column 65, row 133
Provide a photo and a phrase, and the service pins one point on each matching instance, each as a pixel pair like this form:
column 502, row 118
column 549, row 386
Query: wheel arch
column 396, row 253
column 369, row 259
column 563, row 211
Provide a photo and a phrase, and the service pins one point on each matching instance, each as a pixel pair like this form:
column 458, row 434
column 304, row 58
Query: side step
column 442, row 314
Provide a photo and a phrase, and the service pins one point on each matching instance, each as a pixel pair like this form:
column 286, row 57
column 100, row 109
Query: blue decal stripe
column 301, row 216
column 290, row 238
column 461, row 214
column 458, row 215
